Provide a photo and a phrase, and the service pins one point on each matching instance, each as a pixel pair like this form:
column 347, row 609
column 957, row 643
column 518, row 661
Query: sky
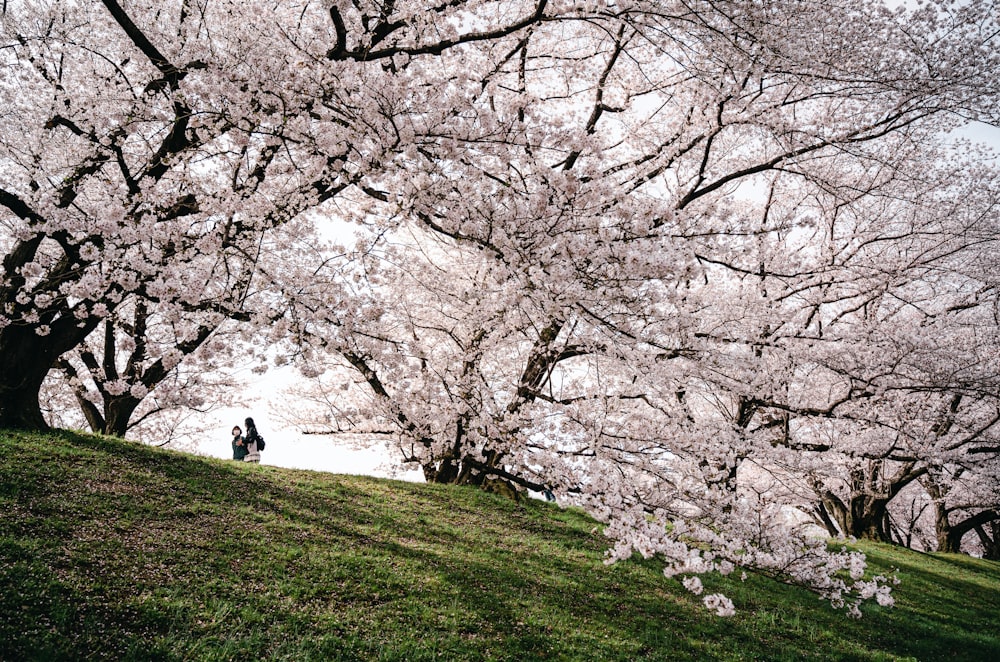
column 264, row 400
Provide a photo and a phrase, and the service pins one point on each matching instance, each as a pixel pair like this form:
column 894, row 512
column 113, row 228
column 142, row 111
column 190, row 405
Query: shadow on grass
column 110, row 550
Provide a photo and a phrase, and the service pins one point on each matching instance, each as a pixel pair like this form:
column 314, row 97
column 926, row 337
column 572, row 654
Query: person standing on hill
column 254, row 442
column 239, row 444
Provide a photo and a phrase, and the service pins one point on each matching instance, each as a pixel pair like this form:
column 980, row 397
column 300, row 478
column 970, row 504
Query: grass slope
column 111, row 550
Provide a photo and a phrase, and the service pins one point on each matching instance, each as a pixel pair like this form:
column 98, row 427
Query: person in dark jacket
column 252, row 441
column 239, row 444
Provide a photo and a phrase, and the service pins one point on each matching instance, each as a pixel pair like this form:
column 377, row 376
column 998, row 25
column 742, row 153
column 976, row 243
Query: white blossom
column 693, row 584
column 720, row 604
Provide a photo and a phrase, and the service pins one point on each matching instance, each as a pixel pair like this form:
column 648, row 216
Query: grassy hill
column 111, row 550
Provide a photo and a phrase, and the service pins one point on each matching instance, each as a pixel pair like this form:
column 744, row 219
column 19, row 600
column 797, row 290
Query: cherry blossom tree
column 148, row 149
column 635, row 294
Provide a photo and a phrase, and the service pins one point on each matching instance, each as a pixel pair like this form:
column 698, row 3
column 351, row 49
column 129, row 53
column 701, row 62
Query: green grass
column 115, row 551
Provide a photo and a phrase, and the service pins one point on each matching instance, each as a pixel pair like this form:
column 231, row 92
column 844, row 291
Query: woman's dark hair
column 250, row 424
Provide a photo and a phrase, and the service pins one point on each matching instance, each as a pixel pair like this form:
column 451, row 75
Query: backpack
column 255, row 436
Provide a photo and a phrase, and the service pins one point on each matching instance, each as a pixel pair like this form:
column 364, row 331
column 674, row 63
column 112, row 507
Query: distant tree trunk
column 470, row 471
column 863, row 517
column 488, row 474
column 990, row 540
column 949, row 535
column 947, row 540
column 117, row 415
column 870, row 517
column 827, row 511
column 866, row 512
column 858, row 517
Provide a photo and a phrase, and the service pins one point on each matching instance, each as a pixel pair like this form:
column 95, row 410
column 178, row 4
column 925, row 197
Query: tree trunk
column 826, row 517
column 864, row 517
column 117, row 414
column 869, row 517
column 487, row 474
column 19, row 407
column 445, row 471
column 990, row 540
column 865, row 514
column 949, row 536
column 25, row 359
column 946, row 539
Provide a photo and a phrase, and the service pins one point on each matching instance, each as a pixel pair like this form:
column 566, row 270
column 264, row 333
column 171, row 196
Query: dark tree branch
column 171, row 73
column 340, row 52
